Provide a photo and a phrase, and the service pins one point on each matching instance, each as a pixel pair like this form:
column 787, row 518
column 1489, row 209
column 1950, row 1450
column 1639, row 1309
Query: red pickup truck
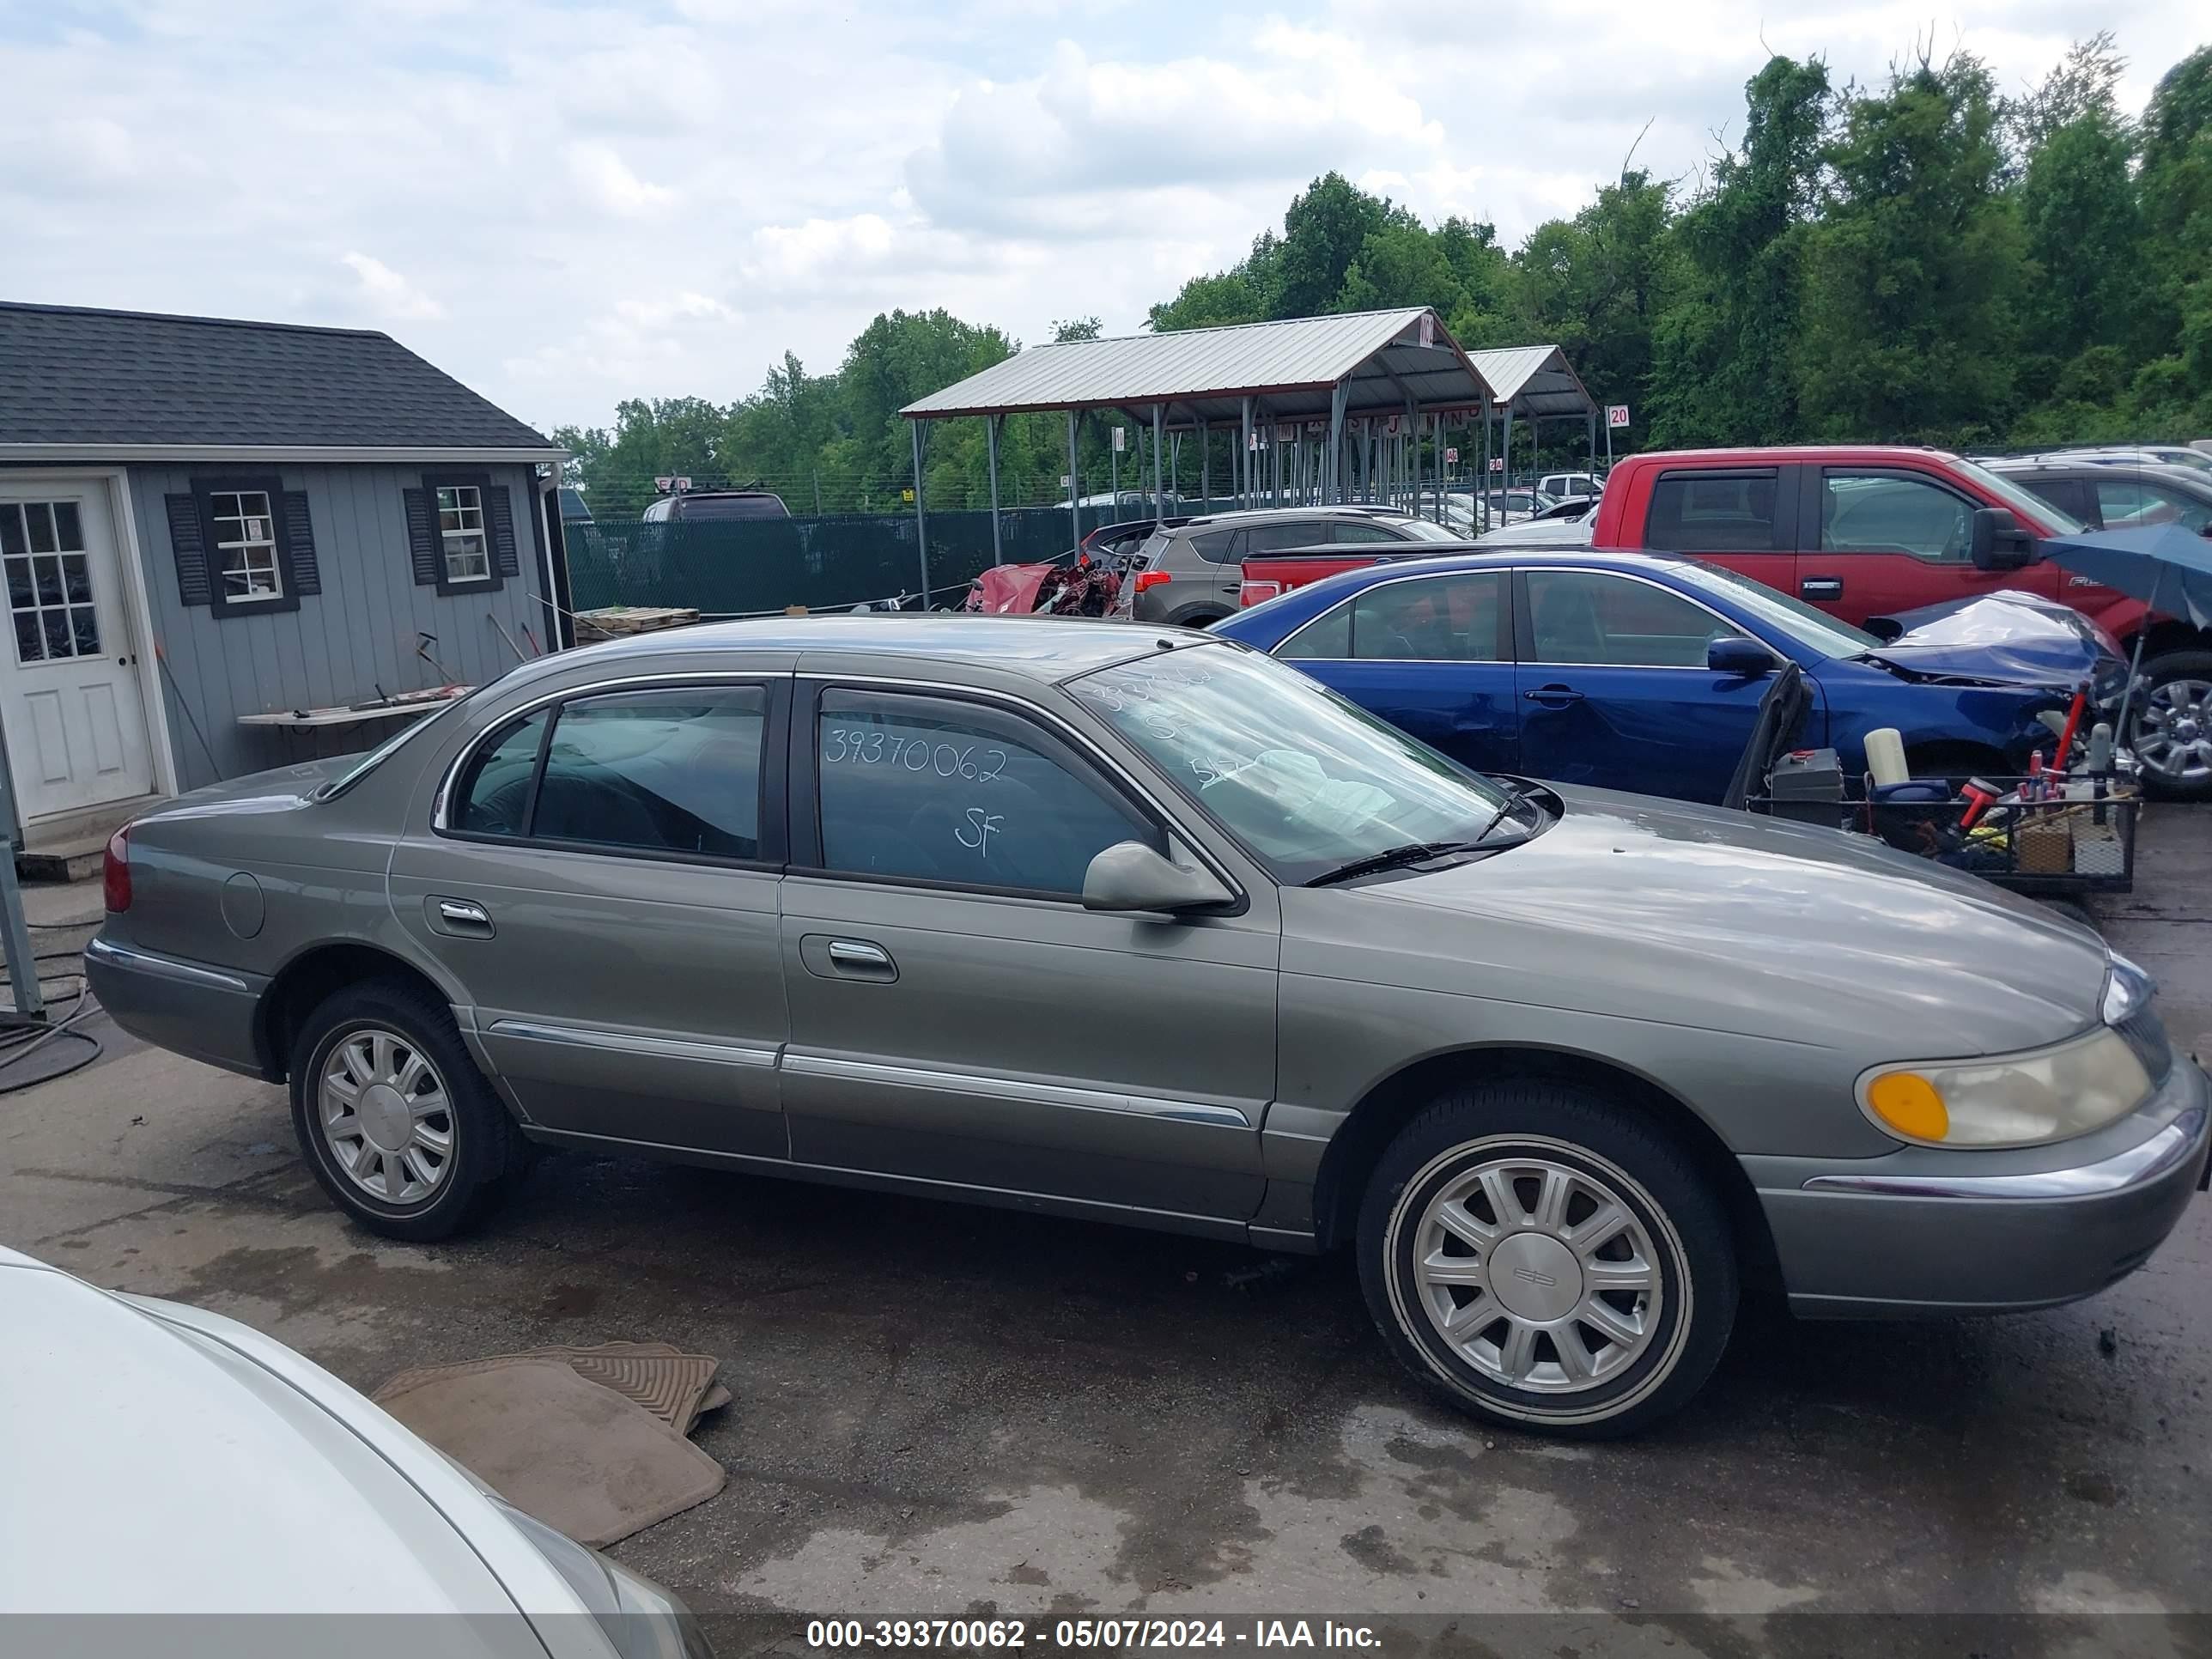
column 1862, row 532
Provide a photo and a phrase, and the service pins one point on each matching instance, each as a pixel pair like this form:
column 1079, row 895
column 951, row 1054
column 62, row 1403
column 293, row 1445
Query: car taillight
column 1151, row 579
column 115, row 872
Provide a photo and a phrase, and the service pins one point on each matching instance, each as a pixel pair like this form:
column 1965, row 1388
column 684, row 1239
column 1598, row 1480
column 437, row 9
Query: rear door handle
column 1551, row 694
column 461, row 917
column 861, row 959
column 1821, row 587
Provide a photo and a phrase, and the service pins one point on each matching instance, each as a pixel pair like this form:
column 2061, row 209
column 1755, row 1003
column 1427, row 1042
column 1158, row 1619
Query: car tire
column 394, row 1167
column 1592, row 1362
column 1203, row 617
column 2178, row 679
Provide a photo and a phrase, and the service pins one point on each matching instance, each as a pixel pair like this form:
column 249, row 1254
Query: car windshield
column 1306, row 781
column 2037, row 510
column 1800, row 621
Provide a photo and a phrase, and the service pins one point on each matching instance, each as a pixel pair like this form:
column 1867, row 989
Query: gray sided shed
column 203, row 521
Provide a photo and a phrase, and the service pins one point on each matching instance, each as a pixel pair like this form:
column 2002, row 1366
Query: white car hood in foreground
column 159, row 1459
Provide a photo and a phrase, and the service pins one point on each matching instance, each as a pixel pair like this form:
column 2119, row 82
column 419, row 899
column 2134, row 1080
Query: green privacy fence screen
column 760, row 566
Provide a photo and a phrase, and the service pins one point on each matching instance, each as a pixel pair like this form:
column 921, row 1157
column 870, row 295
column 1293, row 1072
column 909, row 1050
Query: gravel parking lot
column 938, row 1407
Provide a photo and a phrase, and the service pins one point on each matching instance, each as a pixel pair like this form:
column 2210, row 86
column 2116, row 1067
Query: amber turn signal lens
column 1910, row 1104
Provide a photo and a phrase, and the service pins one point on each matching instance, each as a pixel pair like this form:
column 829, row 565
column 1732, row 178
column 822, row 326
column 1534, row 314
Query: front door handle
column 1551, row 695
column 859, row 958
column 460, row 917
column 1821, row 587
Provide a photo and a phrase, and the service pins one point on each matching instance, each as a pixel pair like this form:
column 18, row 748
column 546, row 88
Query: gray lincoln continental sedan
column 1133, row 924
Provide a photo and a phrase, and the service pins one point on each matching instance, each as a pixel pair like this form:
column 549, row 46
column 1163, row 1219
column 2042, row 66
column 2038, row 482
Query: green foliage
column 1920, row 260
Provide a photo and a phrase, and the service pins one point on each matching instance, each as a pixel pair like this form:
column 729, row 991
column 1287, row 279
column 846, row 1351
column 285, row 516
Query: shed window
column 246, row 546
column 461, row 533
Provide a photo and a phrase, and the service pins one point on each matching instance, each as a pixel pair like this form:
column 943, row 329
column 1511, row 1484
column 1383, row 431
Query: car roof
column 1442, row 561
column 2190, row 479
column 1046, row 648
column 1335, row 510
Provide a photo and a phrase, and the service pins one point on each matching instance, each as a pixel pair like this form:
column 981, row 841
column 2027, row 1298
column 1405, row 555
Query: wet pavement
column 941, row 1409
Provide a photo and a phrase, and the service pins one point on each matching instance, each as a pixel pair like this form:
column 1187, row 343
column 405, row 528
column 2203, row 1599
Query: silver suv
column 1189, row 573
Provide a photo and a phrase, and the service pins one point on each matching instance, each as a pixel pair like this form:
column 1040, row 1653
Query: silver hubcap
column 386, row 1118
column 2173, row 738
column 1537, row 1275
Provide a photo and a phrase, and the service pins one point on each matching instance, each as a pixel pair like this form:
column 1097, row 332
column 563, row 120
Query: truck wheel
column 399, row 1127
column 1539, row 1256
column 2172, row 734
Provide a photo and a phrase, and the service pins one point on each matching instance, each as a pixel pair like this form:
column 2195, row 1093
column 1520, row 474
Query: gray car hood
column 1652, row 909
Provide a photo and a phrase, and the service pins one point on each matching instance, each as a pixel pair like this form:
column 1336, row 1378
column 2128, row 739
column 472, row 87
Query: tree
column 1723, row 342
column 1324, row 229
column 1913, row 271
column 1076, row 328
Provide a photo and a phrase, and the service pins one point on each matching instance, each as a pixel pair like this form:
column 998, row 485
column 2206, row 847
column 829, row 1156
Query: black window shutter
column 499, row 519
column 423, row 538
column 299, row 540
column 189, row 549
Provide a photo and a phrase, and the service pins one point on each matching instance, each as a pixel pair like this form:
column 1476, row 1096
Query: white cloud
column 389, row 293
column 568, row 202
column 605, row 180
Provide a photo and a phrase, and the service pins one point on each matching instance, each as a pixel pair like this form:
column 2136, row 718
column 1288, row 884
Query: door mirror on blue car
column 1737, row 655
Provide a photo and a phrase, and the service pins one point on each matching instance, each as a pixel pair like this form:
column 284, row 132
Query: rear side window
column 669, row 771
column 1219, row 546
column 1281, row 538
column 1715, row 512
column 675, row 771
column 1436, row 619
column 2124, row 504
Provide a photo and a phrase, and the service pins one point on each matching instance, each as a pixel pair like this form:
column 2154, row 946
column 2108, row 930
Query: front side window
column 676, row 771
column 461, row 533
column 935, row 789
column 1302, row 778
column 1589, row 617
column 1883, row 512
column 245, row 544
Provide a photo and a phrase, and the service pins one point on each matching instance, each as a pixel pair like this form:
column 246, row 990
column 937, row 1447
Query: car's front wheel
column 399, row 1127
column 2173, row 735
column 1543, row 1257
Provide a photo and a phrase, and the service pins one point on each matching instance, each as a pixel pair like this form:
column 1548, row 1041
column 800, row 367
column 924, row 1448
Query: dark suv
column 1187, row 573
column 2105, row 496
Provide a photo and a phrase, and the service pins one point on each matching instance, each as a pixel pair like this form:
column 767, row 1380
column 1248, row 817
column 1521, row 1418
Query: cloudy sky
column 565, row 203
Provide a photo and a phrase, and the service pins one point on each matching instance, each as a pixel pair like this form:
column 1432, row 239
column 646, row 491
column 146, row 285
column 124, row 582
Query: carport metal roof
column 1382, row 358
column 1534, row 381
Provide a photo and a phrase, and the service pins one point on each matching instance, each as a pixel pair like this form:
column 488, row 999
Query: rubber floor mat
column 584, row 1458
column 675, row 1386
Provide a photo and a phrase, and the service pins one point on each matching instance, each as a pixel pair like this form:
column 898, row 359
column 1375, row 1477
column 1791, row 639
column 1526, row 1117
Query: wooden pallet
column 616, row 622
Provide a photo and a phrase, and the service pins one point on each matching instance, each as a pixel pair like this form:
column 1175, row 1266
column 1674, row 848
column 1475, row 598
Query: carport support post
column 14, row 934
column 991, row 446
column 1505, row 479
column 1591, row 419
column 1244, row 460
column 921, row 524
column 1074, row 480
column 1338, row 393
column 1158, row 512
column 1205, row 469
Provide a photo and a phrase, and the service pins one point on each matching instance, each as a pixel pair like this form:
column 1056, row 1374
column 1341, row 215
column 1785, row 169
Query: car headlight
column 2013, row 1100
column 642, row 1620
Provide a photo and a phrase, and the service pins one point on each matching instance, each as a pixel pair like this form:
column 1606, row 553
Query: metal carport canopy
column 1383, row 358
column 1534, row 380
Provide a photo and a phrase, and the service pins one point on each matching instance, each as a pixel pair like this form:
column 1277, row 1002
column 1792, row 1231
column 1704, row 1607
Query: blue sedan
column 1643, row 672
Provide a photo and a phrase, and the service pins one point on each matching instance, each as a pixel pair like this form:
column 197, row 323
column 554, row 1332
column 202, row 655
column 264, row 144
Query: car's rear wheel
column 399, row 1127
column 1540, row 1256
column 2172, row 734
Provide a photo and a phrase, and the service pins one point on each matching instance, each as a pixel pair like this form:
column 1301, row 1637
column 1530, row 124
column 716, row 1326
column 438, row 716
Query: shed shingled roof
column 115, row 378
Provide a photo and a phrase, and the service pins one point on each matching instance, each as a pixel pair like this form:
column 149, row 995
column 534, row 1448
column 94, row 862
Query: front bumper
column 206, row 1013
column 1927, row 1231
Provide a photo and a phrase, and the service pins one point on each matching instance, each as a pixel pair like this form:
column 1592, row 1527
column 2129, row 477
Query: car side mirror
column 1997, row 542
column 1130, row 876
column 1740, row 656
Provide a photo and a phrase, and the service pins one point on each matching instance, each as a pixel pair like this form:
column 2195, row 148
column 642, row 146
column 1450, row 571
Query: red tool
column 2073, row 722
column 1979, row 797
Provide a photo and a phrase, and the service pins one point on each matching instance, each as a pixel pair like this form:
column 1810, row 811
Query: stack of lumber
column 614, row 621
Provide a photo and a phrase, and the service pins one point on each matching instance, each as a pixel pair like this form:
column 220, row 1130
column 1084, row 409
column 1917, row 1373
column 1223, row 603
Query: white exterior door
column 68, row 664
